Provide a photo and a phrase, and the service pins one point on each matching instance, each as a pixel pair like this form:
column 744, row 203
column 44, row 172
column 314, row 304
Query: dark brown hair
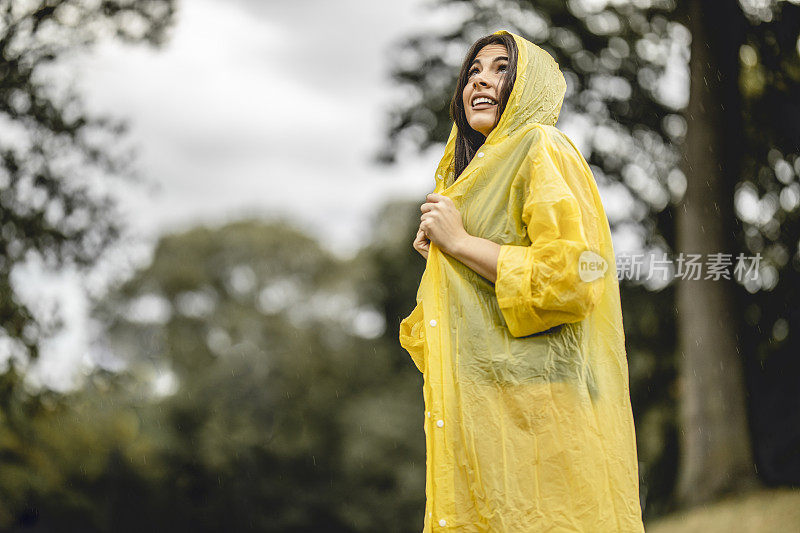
column 469, row 140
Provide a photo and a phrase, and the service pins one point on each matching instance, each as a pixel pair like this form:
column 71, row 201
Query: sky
column 251, row 108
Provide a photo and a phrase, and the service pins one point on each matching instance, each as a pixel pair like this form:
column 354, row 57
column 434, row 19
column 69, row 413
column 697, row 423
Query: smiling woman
column 528, row 422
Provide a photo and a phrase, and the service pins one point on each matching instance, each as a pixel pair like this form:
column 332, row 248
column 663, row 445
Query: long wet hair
column 469, row 140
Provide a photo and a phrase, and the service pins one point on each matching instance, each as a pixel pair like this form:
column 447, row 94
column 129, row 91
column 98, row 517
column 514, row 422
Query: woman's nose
column 479, row 81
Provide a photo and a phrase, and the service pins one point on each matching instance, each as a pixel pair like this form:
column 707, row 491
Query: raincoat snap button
column 428, row 414
column 480, row 154
column 442, row 522
column 440, row 423
column 433, row 323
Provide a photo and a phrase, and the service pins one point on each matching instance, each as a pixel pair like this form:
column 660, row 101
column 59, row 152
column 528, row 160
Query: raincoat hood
column 528, row 423
column 538, row 91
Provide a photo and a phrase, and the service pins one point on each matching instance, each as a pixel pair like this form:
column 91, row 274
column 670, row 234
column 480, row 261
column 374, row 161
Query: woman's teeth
column 483, row 100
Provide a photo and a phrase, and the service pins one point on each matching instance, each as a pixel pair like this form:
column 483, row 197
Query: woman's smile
column 483, row 102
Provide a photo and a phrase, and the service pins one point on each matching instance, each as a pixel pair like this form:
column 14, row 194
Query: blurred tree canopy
column 53, row 153
column 256, row 386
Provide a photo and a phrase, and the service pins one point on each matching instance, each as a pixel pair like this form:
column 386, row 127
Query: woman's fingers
column 421, row 243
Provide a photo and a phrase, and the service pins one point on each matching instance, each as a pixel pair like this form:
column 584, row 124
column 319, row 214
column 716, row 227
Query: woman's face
column 483, row 81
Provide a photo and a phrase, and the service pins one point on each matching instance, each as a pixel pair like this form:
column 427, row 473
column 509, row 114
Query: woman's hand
column 422, row 244
column 441, row 223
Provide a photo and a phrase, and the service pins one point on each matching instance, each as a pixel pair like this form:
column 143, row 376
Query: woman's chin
column 483, row 129
column 482, row 126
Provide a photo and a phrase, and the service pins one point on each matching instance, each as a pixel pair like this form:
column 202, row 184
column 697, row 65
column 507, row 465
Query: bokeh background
column 206, row 217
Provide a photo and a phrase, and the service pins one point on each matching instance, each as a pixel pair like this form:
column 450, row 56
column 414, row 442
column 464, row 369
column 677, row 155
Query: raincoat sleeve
column 538, row 286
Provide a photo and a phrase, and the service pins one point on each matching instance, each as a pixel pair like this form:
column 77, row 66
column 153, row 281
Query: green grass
column 773, row 510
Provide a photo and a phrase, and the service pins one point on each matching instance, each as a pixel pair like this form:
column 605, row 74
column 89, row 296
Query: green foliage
column 282, row 417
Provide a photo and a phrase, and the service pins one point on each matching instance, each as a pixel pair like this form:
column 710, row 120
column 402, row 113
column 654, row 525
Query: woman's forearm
column 478, row 254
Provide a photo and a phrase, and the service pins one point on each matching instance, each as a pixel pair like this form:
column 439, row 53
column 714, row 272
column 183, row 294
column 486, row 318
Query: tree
column 717, row 453
column 288, row 406
column 745, row 80
column 53, row 147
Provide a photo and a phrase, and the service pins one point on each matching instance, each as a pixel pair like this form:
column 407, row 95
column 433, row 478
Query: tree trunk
column 716, row 453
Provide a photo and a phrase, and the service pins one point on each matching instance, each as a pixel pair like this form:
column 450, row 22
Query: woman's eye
column 473, row 71
column 502, row 68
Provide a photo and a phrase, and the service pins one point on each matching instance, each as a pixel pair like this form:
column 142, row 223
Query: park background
column 206, row 217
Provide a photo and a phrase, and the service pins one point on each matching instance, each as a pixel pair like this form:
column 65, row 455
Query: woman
column 518, row 328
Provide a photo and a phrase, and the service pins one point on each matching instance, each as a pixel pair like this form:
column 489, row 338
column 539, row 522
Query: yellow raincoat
column 528, row 423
